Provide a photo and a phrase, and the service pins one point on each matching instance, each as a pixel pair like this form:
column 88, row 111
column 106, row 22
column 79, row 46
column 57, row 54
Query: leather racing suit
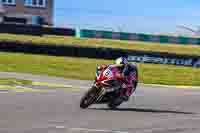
column 128, row 74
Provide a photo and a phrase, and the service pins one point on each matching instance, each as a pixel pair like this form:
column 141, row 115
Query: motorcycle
column 105, row 90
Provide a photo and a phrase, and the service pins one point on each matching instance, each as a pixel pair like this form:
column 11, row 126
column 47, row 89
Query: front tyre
column 89, row 98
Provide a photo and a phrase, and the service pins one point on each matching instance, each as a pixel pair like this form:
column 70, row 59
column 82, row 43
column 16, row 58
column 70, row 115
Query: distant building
column 1, row 12
column 28, row 11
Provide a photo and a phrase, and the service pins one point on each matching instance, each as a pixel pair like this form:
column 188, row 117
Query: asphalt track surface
column 151, row 110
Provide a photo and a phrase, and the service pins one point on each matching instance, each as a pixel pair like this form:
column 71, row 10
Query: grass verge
column 133, row 45
column 84, row 68
column 13, row 81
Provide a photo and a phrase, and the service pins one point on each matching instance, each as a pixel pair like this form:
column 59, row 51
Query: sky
column 141, row 16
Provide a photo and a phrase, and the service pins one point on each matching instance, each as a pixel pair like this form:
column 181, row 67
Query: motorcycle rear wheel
column 115, row 103
column 89, row 98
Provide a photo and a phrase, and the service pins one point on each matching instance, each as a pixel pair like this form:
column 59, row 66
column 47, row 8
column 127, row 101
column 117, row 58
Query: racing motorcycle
column 105, row 90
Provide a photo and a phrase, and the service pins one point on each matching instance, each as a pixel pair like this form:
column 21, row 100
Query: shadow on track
column 142, row 110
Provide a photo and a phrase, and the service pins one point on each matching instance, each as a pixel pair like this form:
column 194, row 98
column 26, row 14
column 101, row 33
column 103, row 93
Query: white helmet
column 121, row 60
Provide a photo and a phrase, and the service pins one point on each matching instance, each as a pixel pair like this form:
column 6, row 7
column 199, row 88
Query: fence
column 138, row 37
column 38, row 30
column 35, row 30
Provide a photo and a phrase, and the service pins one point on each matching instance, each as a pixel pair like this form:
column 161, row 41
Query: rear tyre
column 115, row 103
column 89, row 98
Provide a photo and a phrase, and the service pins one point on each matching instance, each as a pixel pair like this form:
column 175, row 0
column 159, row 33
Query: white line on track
column 4, row 92
column 88, row 129
column 96, row 130
column 60, row 127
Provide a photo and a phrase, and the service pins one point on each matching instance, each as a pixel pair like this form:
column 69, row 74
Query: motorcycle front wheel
column 89, row 98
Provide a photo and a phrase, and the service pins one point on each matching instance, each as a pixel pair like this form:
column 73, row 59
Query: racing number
column 107, row 73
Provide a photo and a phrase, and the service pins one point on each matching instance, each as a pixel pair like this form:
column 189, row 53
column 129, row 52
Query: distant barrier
column 101, row 53
column 21, row 29
column 58, row 31
column 35, row 30
column 85, row 33
column 138, row 37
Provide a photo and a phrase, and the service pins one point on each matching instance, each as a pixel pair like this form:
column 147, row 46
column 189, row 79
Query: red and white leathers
column 128, row 74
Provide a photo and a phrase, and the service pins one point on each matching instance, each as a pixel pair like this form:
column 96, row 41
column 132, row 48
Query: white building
column 28, row 11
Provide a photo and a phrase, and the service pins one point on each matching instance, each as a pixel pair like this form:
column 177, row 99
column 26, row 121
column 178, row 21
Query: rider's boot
column 124, row 96
column 127, row 92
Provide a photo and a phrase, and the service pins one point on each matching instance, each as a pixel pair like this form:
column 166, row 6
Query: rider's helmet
column 121, row 61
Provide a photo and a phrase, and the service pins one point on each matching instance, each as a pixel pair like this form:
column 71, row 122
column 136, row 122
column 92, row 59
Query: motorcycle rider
column 128, row 74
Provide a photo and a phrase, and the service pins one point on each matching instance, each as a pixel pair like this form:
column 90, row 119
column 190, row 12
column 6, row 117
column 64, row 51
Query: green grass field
column 13, row 81
column 84, row 68
column 134, row 45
